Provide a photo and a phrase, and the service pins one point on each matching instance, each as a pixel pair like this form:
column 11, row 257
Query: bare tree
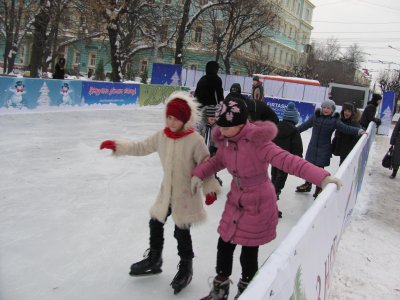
column 328, row 50
column 13, row 27
column 245, row 23
column 40, row 24
column 354, row 56
column 390, row 81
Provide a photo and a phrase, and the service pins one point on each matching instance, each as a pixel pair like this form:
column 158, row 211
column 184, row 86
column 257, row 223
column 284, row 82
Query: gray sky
column 372, row 24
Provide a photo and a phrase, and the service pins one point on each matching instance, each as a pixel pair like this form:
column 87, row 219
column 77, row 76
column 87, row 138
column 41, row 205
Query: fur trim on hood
column 192, row 103
column 257, row 132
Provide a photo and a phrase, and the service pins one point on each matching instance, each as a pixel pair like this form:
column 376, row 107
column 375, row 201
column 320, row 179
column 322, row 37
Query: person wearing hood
column 209, row 89
column 369, row 112
column 324, row 122
column 257, row 110
column 180, row 149
column 395, row 145
column 250, row 215
column 289, row 139
column 343, row 143
column 257, row 92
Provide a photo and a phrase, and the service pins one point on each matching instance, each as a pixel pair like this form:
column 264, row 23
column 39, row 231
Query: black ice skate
column 184, row 275
column 150, row 265
column 318, row 191
column 242, row 285
column 306, row 187
column 220, row 289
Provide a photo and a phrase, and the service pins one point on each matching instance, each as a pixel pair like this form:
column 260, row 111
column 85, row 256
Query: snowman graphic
column 65, row 92
column 16, row 97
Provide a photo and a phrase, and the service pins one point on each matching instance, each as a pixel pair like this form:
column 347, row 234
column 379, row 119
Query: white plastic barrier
column 301, row 266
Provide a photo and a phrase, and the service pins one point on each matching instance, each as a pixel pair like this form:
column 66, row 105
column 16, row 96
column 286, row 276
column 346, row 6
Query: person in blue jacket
column 319, row 152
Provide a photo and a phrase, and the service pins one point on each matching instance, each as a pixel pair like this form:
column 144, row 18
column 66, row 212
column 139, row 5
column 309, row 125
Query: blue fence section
column 306, row 109
column 166, row 74
column 32, row 93
column 109, row 92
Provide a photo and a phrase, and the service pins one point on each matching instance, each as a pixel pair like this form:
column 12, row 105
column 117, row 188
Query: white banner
column 301, row 266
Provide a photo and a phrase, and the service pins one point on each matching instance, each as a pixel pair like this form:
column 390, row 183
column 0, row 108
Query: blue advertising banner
column 109, row 93
column 386, row 113
column 306, row 109
column 32, row 93
column 166, row 74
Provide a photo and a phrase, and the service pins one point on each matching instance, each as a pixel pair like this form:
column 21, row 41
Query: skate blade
column 148, row 273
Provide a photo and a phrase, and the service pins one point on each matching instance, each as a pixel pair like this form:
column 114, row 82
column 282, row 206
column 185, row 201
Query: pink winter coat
column 251, row 214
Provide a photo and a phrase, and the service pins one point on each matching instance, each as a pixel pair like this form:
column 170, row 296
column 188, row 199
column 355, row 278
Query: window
column 280, row 56
column 268, row 51
column 143, row 66
column 77, row 58
column 307, row 15
column 92, row 59
column 290, row 32
column 216, row 34
column 197, row 35
column 286, row 58
column 22, row 55
column 274, row 56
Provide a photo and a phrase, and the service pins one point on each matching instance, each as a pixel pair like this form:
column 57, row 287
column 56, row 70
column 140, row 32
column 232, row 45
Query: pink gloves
column 108, row 145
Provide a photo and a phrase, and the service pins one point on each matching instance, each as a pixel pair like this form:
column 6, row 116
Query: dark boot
column 242, row 285
column 184, row 275
column 305, row 187
column 394, row 173
column 150, row 265
column 279, row 214
column 318, row 191
column 220, row 289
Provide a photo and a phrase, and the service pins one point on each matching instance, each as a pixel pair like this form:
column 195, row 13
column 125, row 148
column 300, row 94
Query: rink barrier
column 301, row 267
column 34, row 93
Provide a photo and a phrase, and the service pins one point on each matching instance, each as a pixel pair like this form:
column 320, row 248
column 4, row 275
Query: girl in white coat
column 180, row 149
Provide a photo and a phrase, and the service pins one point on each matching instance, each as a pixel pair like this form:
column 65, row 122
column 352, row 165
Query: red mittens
column 211, row 198
column 108, row 145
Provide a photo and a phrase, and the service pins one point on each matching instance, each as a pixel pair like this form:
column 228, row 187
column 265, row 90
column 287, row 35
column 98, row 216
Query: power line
column 371, row 23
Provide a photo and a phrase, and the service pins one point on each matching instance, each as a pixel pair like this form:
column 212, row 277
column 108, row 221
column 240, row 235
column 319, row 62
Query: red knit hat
column 179, row 109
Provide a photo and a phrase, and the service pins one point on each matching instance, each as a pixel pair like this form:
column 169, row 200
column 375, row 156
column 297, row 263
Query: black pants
column 278, row 178
column 185, row 247
column 248, row 260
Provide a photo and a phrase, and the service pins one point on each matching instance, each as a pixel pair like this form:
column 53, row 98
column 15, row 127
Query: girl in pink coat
column 250, row 216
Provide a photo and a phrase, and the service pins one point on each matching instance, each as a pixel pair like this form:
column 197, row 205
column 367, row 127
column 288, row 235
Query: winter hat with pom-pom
column 291, row 113
column 231, row 112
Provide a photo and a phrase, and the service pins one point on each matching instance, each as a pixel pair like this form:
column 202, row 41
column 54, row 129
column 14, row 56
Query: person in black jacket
column 209, row 89
column 343, row 143
column 289, row 139
column 369, row 112
column 395, row 144
column 257, row 110
column 59, row 72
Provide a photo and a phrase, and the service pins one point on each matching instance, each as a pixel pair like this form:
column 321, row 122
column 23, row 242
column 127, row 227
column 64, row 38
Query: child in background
column 250, row 216
column 289, row 139
column 205, row 130
column 395, row 144
column 342, row 143
column 180, row 149
column 319, row 151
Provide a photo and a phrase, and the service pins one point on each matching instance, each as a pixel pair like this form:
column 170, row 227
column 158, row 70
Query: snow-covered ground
column 73, row 218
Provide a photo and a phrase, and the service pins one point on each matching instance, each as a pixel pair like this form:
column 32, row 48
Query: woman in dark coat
column 59, row 72
column 370, row 111
column 209, row 89
column 319, row 151
column 395, row 142
column 342, row 143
